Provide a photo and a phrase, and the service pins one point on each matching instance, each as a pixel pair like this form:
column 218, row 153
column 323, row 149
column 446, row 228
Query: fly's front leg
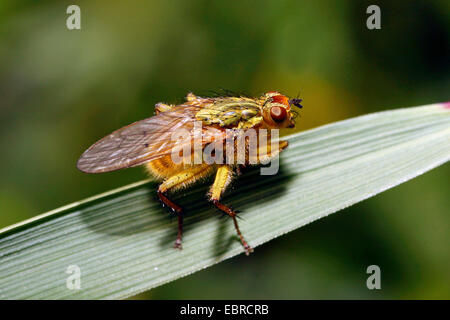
column 223, row 178
column 265, row 154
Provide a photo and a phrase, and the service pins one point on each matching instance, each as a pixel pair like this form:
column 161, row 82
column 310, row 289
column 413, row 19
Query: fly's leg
column 175, row 209
column 191, row 97
column 169, row 203
column 232, row 214
column 223, row 178
column 162, row 107
column 265, row 153
column 240, row 168
column 178, row 181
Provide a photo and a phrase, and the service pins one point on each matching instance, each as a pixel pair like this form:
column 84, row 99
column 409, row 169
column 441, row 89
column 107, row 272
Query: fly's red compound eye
column 278, row 114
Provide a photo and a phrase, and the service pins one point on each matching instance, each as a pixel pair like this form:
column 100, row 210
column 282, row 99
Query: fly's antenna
column 296, row 102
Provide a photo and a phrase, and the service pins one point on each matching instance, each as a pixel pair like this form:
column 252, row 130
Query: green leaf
column 122, row 240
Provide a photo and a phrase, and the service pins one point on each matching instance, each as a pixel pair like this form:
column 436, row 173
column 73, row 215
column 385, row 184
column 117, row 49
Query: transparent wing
column 146, row 140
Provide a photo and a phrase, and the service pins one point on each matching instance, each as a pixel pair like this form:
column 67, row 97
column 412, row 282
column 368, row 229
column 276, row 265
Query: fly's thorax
column 237, row 112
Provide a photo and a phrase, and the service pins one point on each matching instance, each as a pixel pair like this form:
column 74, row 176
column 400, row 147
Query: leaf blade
column 122, row 240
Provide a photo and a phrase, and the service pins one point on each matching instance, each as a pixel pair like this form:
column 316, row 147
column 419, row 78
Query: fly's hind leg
column 223, row 178
column 162, row 107
column 176, row 182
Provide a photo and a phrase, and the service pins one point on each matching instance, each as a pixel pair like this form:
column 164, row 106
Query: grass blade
column 122, row 240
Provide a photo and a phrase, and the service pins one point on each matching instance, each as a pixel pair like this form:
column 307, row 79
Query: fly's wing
column 146, row 140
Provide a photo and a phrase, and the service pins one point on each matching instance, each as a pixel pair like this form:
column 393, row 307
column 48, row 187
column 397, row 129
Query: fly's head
column 277, row 111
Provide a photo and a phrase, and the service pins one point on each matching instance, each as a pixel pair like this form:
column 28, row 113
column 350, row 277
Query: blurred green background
column 62, row 90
